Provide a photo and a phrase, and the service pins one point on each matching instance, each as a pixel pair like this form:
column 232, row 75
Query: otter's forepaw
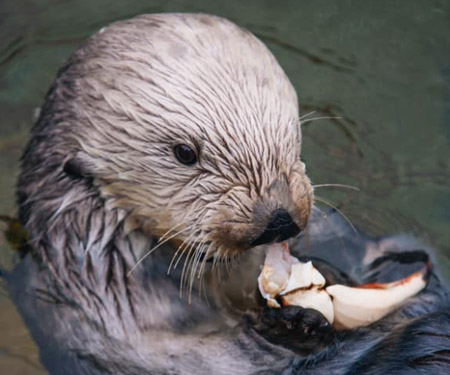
column 301, row 330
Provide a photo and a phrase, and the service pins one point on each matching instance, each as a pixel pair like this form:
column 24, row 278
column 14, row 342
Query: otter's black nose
column 280, row 228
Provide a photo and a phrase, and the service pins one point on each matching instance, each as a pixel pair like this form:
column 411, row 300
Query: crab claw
column 365, row 304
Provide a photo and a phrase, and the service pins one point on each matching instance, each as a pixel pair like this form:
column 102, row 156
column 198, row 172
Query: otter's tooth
column 314, row 298
column 361, row 306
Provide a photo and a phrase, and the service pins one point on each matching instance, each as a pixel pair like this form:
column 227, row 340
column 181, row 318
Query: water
column 383, row 69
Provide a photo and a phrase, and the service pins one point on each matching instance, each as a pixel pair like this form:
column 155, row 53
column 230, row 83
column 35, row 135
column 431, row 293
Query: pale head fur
column 139, row 87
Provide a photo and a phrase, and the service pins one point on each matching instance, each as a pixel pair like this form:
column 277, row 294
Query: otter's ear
column 76, row 168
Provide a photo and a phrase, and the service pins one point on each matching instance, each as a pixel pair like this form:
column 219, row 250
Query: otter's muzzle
column 280, row 228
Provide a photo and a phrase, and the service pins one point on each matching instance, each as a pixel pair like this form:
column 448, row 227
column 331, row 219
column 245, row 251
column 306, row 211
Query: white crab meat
column 283, row 278
column 361, row 306
column 303, row 275
column 313, row 298
column 275, row 273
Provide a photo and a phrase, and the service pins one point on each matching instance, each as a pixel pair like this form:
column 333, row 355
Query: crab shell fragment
column 286, row 280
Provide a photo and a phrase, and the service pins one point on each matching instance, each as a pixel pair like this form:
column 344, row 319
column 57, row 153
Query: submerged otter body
column 184, row 128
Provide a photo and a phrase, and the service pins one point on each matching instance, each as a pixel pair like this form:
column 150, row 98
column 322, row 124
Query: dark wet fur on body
column 194, row 339
column 89, row 315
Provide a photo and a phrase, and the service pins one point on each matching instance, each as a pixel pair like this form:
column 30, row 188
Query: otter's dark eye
column 185, row 154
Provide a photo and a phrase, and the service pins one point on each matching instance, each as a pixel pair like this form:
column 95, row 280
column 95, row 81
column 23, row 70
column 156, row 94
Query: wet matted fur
column 100, row 184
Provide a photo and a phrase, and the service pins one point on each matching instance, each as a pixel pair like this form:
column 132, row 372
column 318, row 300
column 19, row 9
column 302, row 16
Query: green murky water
column 382, row 67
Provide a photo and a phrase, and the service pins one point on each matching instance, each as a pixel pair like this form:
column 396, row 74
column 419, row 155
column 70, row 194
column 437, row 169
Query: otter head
column 188, row 123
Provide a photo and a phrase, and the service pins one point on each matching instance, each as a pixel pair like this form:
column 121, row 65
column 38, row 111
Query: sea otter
column 172, row 141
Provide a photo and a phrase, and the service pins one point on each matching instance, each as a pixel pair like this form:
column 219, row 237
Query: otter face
column 192, row 127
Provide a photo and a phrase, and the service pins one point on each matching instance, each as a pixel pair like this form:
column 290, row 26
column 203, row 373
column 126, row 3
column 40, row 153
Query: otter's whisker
column 328, row 203
column 320, row 118
column 180, row 252
column 201, row 273
column 216, row 264
column 171, row 229
column 202, row 288
column 306, row 115
column 205, row 258
column 153, row 249
column 186, row 246
column 325, row 216
column 188, row 254
column 194, row 268
column 336, row 185
column 186, row 243
column 191, row 254
column 183, row 249
column 341, row 239
column 191, row 268
column 227, row 264
column 187, row 270
column 162, row 238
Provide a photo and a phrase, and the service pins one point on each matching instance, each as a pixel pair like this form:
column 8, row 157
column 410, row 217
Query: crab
column 285, row 281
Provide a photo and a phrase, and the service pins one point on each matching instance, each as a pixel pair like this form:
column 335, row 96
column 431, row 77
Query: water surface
column 381, row 70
